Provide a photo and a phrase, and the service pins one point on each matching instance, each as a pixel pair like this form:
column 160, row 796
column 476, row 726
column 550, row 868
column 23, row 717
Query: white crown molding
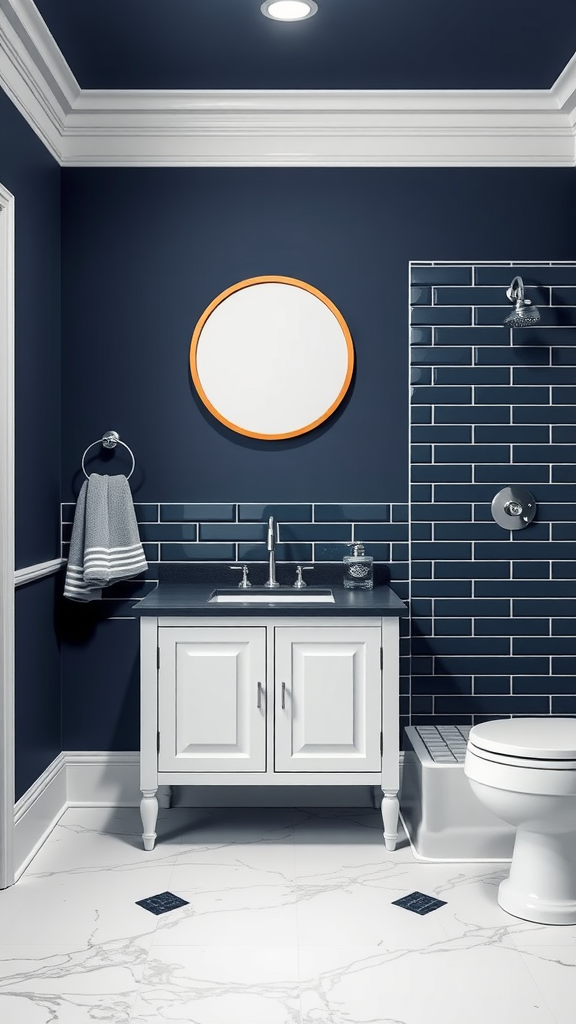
column 336, row 128
column 277, row 127
column 564, row 91
column 34, row 73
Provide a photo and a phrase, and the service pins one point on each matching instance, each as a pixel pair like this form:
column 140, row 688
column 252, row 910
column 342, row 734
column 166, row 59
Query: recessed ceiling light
column 289, row 10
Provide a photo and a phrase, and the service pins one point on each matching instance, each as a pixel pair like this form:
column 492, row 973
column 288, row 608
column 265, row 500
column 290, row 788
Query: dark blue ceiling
column 349, row 44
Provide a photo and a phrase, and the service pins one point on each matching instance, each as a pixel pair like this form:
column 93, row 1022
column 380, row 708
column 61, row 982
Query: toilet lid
column 546, row 738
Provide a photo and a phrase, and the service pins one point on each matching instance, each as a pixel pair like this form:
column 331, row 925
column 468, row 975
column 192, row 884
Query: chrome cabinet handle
column 259, row 701
column 283, row 695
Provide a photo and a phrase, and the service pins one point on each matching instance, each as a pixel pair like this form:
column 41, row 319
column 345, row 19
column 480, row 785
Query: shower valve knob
column 513, row 508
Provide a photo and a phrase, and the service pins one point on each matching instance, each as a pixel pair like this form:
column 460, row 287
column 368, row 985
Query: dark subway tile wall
column 232, row 532
column 494, row 611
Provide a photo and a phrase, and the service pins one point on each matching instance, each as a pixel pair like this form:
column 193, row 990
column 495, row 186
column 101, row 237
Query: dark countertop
column 192, row 599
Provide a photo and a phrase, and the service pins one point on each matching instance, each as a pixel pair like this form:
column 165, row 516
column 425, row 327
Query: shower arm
column 516, row 292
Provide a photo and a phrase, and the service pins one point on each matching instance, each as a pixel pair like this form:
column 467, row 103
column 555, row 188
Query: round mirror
column 271, row 357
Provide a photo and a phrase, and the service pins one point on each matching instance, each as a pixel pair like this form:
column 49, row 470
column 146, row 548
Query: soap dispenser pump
column 358, row 568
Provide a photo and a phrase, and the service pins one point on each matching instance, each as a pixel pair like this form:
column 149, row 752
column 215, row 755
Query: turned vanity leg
column 390, row 808
column 149, row 815
column 164, row 796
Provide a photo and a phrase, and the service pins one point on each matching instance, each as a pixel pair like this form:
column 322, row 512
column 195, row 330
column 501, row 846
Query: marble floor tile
column 220, row 985
column 362, row 915
column 553, row 968
column 90, row 839
column 248, row 915
column 437, row 984
column 78, row 910
column 290, row 920
column 238, row 868
column 71, row 985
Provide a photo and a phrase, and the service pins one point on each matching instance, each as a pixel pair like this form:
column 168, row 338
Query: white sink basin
column 306, row 596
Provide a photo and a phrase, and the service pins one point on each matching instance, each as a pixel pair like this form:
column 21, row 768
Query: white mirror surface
column 271, row 357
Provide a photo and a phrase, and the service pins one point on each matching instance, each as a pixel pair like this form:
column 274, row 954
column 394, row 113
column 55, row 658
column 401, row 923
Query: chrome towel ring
column 110, row 439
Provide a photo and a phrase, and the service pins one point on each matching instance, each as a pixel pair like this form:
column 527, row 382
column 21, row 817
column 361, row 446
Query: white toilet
column 524, row 771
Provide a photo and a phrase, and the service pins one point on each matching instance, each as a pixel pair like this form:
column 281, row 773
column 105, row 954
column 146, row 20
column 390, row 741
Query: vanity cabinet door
column 211, row 699
column 328, row 695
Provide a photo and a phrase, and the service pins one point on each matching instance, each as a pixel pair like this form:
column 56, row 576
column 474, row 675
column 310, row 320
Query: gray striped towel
column 105, row 545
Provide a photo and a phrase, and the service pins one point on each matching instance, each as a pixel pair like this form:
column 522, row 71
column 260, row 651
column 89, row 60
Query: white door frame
column 6, row 538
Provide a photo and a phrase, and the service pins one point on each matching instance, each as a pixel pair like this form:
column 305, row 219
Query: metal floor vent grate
column 446, row 744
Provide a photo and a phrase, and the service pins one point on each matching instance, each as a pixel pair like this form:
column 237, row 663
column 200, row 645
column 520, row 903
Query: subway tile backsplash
column 222, row 532
column 493, row 611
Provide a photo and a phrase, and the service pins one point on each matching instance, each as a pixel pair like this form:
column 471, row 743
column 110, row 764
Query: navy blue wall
column 146, row 250
column 38, row 703
column 33, row 177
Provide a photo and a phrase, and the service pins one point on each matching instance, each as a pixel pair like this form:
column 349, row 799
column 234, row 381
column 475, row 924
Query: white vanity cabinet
column 269, row 701
column 211, row 686
column 327, row 695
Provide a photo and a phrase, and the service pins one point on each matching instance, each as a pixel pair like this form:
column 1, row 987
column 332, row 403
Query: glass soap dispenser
column 358, row 568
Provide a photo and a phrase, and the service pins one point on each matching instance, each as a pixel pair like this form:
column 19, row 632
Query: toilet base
column 541, row 886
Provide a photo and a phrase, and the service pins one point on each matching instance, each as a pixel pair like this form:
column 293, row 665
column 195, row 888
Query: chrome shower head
column 524, row 313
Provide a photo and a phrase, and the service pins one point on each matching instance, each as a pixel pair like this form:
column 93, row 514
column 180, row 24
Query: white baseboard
column 103, row 778
column 37, row 812
column 108, row 778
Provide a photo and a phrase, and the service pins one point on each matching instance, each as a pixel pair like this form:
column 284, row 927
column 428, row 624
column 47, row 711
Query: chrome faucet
column 271, row 545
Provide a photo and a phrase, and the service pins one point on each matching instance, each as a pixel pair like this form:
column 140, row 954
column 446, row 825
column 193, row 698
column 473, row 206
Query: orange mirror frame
column 271, row 357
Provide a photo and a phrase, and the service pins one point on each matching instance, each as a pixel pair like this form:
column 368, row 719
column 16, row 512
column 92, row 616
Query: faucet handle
column 299, row 582
column 244, row 582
